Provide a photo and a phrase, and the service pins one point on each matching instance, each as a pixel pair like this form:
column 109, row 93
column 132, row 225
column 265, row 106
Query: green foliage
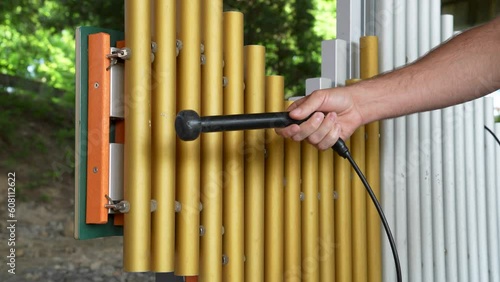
column 325, row 25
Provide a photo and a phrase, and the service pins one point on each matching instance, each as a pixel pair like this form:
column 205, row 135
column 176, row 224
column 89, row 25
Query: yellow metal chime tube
column 137, row 150
column 255, row 85
column 359, row 240
column 233, row 239
column 211, row 144
column 369, row 68
column 343, row 224
column 163, row 113
column 188, row 157
column 292, row 211
column 326, row 216
column 310, row 221
column 275, row 94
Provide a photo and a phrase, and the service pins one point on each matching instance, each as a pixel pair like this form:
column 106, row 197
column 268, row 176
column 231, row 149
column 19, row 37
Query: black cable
column 492, row 133
column 341, row 149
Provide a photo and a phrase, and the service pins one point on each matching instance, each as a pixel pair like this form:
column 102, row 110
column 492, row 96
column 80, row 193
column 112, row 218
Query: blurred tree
column 291, row 31
column 37, row 46
column 38, row 40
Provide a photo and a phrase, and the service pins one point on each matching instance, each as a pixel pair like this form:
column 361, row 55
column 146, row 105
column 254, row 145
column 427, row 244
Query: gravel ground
column 46, row 250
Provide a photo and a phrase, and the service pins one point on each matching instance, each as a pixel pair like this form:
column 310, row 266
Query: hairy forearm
column 464, row 68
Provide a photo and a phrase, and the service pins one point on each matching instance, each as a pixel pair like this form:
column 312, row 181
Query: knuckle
column 317, row 93
column 296, row 138
column 320, row 146
column 285, row 134
column 313, row 139
column 333, row 134
column 323, row 146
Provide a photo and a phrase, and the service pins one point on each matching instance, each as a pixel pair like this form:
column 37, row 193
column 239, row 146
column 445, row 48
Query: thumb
column 304, row 107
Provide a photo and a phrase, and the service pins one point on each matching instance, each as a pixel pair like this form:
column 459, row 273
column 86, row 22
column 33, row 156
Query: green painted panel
column 83, row 230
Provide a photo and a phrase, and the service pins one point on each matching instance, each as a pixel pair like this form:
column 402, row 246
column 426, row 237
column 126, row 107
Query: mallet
column 189, row 125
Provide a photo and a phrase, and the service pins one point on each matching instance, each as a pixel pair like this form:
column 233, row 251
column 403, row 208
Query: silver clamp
column 203, row 58
column 154, row 48
column 117, row 206
column 178, row 46
column 154, row 205
column 118, row 54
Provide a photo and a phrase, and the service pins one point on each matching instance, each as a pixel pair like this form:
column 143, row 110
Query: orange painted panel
column 98, row 128
column 118, row 219
column 120, row 44
column 120, row 131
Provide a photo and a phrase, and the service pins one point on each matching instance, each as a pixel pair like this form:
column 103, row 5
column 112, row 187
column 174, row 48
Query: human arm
column 462, row 69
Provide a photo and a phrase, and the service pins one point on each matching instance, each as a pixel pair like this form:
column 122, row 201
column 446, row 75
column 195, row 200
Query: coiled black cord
column 341, row 149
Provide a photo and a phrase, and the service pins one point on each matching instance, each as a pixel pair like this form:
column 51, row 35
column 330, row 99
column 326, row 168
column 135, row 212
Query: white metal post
column 349, row 28
column 334, row 61
column 370, row 18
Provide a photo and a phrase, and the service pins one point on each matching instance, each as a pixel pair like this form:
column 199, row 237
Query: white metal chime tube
column 437, row 161
column 472, row 226
column 491, row 192
column 449, row 190
column 497, row 170
column 412, row 157
column 400, row 142
column 384, row 30
column 480, row 188
column 425, row 155
column 461, row 194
